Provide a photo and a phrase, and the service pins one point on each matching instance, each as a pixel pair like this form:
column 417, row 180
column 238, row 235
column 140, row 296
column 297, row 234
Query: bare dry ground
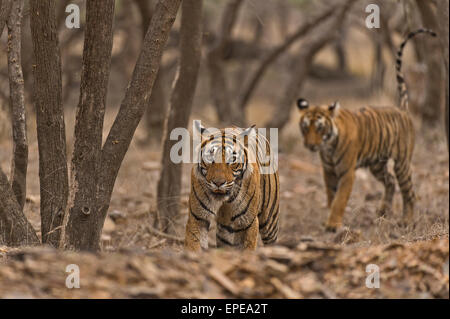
column 309, row 263
column 308, row 270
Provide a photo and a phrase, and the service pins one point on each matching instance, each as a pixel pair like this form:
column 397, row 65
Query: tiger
column 229, row 187
column 366, row 138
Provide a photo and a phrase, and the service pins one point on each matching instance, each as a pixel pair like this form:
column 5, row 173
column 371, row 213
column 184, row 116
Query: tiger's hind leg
column 381, row 173
column 404, row 179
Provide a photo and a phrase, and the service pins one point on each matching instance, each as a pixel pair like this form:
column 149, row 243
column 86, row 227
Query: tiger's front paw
column 332, row 227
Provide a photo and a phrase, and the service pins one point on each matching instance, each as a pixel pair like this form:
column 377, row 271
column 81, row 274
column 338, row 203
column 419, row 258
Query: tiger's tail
column 402, row 89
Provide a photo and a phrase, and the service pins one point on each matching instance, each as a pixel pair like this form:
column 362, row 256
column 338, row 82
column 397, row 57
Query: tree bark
column 157, row 104
column 83, row 232
column 169, row 184
column 15, row 230
column 304, row 60
column 442, row 15
column 220, row 92
column 17, row 102
column 5, row 9
column 271, row 57
column 431, row 108
column 86, row 161
column 53, row 175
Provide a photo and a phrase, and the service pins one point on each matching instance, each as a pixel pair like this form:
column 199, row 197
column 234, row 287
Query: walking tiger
column 368, row 137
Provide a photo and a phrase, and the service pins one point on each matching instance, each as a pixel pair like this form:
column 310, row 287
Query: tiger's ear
column 302, row 104
column 199, row 127
column 334, row 108
column 247, row 131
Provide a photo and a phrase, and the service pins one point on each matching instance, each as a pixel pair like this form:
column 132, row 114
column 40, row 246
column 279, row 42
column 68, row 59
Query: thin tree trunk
column 53, row 175
column 431, row 108
column 220, row 91
column 85, row 235
column 86, row 161
column 157, row 104
column 271, row 57
column 442, row 15
column 5, row 9
column 304, row 60
column 17, row 100
column 15, row 230
column 169, row 185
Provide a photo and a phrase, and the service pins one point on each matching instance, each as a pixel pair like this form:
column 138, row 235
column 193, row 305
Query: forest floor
column 309, row 262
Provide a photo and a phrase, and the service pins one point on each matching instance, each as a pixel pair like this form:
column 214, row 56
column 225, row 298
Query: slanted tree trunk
column 53, row 175
column 17, row 101
column 309, row 49
column 169, row 184
column 86, row 218
column 442, row 18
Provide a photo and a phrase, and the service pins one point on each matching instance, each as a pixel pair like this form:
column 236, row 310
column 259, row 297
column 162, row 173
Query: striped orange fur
column 233, row 193
column 368, row 137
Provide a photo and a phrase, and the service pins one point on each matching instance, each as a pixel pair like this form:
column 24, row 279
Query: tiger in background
column 229, row 188
column 368, row 137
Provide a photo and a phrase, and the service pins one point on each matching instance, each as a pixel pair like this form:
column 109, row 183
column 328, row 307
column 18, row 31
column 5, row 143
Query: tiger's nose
column 219, row 182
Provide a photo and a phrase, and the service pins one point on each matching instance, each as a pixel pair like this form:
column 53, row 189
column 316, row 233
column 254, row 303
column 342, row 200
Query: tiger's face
column 317, row 124
column 222, row 161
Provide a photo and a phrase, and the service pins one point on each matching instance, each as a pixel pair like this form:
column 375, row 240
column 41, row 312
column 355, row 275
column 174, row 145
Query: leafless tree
column 87, row 210
column 15, row 229
column 94, row 166
column 271, row 57
column 179, row 110
column 315, row 42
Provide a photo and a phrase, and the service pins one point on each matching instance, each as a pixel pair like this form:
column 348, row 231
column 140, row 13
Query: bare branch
column 309, row 49
column 275, row 53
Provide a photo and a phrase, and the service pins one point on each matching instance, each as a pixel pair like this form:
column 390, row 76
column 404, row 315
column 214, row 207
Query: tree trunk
column 86, row 222
column 53, row 175
column 17, row 101
column 169, row 184
column 304, row 61
column 431, row 108
column 157, row 104
column 220, row 92
column 442, row 15
column 5, row 9
column 15, row 230
column 86, row 164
